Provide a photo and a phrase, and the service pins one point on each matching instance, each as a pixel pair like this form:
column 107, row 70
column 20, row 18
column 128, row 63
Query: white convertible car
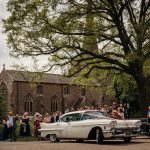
column 90, row 125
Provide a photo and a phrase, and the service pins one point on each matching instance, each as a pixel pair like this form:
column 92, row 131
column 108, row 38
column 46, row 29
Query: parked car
column 90, row 125
column 145, row 127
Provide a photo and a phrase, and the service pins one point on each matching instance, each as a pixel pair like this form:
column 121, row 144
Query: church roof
column 26, row 76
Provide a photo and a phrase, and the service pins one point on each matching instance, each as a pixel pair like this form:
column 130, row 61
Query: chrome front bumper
column 121, row 132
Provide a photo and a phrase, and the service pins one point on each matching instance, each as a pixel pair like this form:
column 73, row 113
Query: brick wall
column 18, row 90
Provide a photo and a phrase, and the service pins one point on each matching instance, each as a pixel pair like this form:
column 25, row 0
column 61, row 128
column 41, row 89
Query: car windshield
column 70, row 117
column 93, row 115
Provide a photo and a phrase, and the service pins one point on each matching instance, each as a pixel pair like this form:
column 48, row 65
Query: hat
column 37, row 114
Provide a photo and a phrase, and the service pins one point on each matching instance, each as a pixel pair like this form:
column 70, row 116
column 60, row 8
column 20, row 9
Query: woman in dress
column 5, row 133
column 46, row 118
column 37, row 122
column 25, row 127
column 121, row 113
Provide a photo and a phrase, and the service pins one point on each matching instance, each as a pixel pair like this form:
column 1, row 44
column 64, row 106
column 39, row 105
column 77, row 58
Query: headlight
column 138, row 123
column 113, row 123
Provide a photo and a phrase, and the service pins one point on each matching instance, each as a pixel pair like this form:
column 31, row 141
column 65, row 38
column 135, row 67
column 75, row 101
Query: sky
column 4, row 50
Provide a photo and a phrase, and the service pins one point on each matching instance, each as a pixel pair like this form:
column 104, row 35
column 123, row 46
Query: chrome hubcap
column 53, row 137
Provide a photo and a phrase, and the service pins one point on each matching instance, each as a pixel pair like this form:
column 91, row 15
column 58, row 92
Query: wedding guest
column 37, row 122
column 5, row 134
column 121, row 113
column 12, row 125
column 115, row 114
column 46, row 118
column 25, row 127
column 54, row 118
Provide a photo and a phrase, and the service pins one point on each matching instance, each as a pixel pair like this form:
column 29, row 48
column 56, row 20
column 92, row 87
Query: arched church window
column 54, row 103
column 4, row 90
column 83, row 92
column 40, row 89
column 28, row 103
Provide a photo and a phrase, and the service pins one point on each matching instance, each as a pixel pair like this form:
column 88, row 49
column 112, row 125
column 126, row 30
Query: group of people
column 10, row 124
column 117, row 111
column 46, row 118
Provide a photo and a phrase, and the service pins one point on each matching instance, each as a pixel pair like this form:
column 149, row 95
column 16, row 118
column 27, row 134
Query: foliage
column 66, row 30
column 126, row 91
column 84, row 36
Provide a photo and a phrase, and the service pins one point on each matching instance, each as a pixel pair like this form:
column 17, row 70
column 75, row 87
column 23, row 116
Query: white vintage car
column 90, row 125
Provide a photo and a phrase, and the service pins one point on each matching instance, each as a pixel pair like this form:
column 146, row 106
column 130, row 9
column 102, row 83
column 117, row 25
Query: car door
column 74, row 128
column 62, row 127
column 66, row 125
column 63, row 124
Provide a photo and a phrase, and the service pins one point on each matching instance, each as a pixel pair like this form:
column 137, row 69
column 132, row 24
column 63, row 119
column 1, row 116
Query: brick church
column 51, row 93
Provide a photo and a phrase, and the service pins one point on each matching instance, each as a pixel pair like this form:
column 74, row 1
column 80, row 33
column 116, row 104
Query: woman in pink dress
column 46, row 118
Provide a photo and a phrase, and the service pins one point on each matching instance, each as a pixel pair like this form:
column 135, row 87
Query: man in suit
column 54, row 118
column 12, row 125
column 127, row 112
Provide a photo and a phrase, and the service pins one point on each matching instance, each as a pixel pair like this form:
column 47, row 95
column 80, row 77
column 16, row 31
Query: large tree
column 117, row 30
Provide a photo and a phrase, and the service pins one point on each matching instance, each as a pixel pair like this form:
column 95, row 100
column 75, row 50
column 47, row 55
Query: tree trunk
column 144, row 94
column 143, row 85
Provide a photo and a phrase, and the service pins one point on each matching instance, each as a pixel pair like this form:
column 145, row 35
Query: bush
column 136, row 115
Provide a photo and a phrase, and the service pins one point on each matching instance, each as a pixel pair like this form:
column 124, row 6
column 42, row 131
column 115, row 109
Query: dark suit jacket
column 52, row 119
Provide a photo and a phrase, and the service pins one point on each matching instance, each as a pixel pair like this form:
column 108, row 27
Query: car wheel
column 53, row 138
column 99, row 136
column 127, row 139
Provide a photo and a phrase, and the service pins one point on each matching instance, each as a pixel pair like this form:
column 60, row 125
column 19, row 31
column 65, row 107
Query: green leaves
column 91, row 39
column 90, row 35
